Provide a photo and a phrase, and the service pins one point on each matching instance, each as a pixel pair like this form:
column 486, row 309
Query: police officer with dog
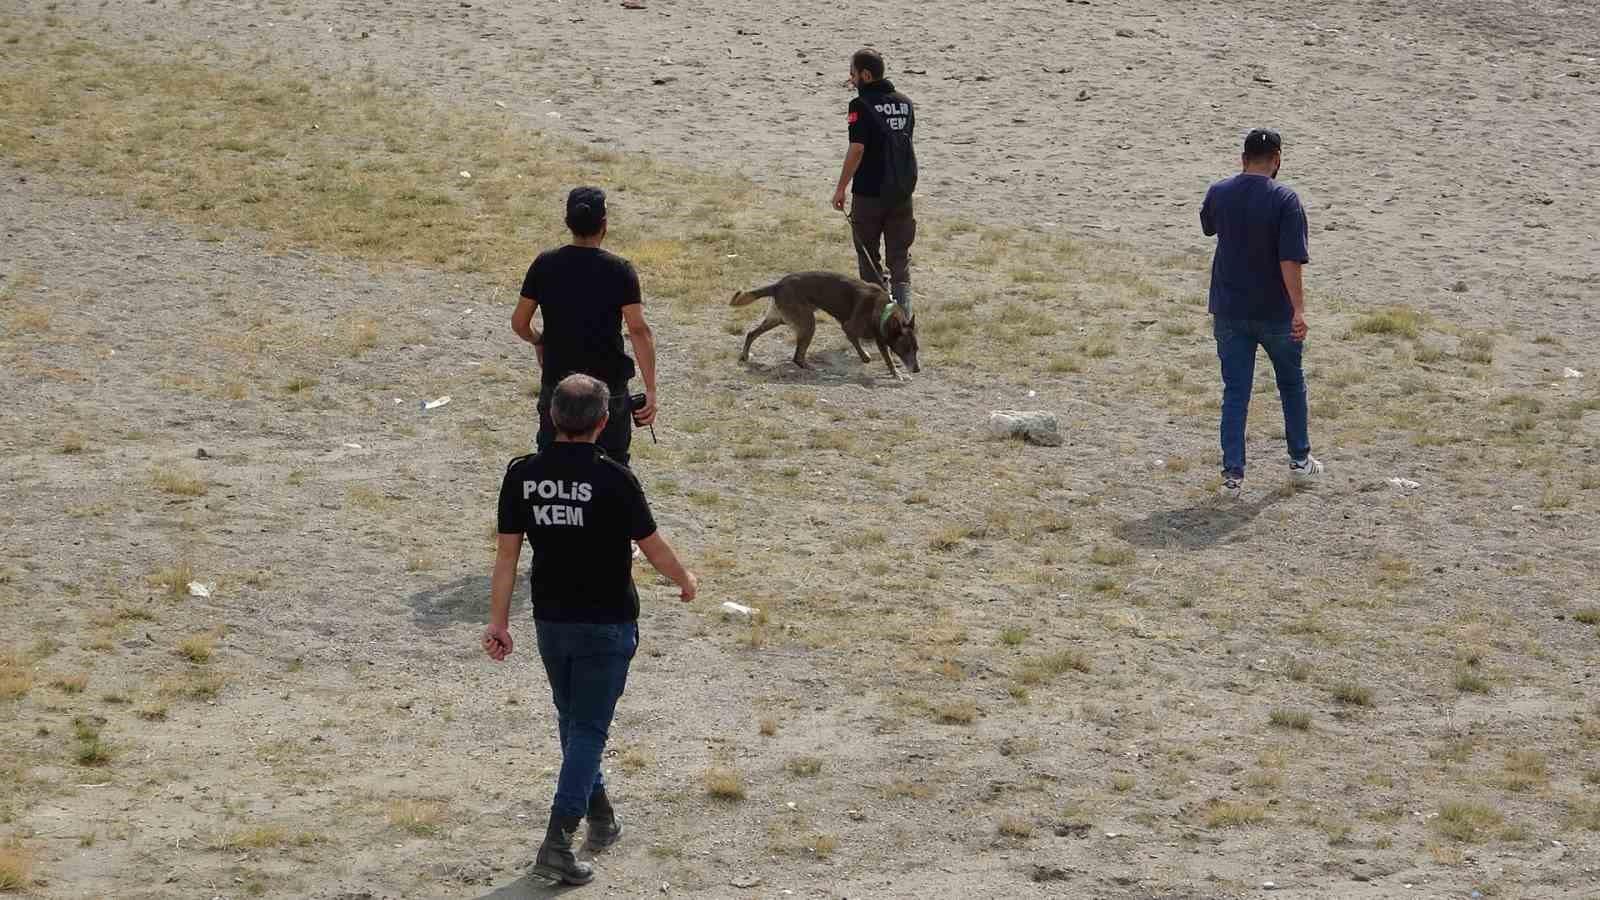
column 578, row 509
column 880, row 169
column 586, row 295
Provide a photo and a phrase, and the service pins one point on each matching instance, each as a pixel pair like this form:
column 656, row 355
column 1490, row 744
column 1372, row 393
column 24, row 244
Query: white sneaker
column 1232, row 487
column 637, row 553
column 1305, row 469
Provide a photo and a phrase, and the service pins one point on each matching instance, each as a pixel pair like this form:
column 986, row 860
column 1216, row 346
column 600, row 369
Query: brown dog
column 862, row 309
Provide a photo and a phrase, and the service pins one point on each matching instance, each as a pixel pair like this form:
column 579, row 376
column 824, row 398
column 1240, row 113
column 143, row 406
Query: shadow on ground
column 464, row 600
column 1194, row 527
column 827, row 367
column 528, row 886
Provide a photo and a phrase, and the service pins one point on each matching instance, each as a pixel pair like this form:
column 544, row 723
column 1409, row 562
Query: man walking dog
column 880, row 168
column 587, row 294
column 1258, row 299
column 579, row 509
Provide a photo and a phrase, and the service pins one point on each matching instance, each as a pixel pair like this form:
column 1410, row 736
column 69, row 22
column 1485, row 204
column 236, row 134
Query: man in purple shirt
column 1258, row 299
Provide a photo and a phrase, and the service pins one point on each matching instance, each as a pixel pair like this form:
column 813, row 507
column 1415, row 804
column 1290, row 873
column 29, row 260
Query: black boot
column 605, row 828
column 901, row 292
column 556, row 861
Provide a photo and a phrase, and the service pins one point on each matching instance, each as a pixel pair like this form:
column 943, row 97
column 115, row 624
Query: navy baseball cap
column 1262, row 142
column 586, row 209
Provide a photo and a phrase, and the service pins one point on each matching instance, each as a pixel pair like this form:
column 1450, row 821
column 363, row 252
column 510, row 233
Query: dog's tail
column 745, row 297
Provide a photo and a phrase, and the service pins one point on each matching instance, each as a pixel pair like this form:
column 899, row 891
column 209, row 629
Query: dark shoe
column 605, row 828
column 556, row 860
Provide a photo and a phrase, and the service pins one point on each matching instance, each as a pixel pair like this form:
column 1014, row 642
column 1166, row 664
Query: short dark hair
column 578, row 405
column 868, row 60
column 1262, row 143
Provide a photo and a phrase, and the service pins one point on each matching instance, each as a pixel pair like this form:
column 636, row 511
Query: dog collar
column 888, row 313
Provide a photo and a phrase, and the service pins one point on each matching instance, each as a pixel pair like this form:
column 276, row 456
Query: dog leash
column 882, row 281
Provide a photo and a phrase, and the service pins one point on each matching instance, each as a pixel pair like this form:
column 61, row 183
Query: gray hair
column 578, row 405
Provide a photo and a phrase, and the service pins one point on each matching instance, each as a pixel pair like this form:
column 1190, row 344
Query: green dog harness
column 888, row 312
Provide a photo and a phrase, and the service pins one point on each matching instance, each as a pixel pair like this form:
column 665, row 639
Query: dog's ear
column 895, row 325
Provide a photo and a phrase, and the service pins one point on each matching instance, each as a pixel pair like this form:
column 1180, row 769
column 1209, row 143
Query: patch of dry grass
column 955, row 712
column 1103, row 555
column 1469, row 680
column 1295, row 719
column 197, row 648
column 1396, row 320
column 15, row 678
column 73, row 683
column 174, row 580
column 725, row 783
column 804, row 766
column 264, row 837
column 179, row 481
column 1225, row 814
column 16, row 867
column 1050, row 665
column 420, row 818
column 1014, row 826
column 1466, row 822
column 1524, row 770
column 1351, row 693
column 195, row 685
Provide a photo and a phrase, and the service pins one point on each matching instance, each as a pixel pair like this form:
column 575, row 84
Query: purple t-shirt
column 1258, row 223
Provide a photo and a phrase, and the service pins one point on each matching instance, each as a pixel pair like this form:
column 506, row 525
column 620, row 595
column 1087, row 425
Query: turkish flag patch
column 853, row 117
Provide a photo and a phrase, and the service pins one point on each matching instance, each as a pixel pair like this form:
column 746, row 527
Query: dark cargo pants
column 895, row 225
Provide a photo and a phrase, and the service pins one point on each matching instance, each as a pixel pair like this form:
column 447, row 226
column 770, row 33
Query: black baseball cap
column 586, row 209
column 1262, row 142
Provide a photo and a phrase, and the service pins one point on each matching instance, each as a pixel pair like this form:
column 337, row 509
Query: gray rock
column 1032, row 426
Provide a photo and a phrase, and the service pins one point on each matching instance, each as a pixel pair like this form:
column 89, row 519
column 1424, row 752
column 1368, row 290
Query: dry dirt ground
column 983, row 669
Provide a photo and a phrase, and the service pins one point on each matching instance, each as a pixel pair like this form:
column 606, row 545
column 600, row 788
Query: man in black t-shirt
column 586, row 295
column 880, row 168
column 579, row 510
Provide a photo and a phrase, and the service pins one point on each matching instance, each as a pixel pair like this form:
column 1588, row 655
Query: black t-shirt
column 876, row 99
column 582, row 291
column 580, row 510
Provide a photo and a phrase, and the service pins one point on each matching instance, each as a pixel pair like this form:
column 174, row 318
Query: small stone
column 1460, row 287
column 1035, row 427
column 1269, row 885
column 1126, row 33
column 1082, row 96
column 201, row 454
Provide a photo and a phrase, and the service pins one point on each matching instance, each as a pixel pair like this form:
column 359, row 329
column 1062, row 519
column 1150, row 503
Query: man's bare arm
column 497, row 636
column 644, row 352
column 659, row 552
column 522, row 324
column 852, row 162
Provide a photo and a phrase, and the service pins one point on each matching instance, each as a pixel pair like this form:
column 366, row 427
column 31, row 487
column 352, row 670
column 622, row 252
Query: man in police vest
column 880, row 168
column 579, row 510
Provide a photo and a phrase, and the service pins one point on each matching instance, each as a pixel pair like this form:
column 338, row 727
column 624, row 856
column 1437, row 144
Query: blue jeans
column 588, row 668
column 1237, row 340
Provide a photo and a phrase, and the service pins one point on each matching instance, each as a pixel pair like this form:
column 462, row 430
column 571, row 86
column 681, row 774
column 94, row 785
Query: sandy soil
column 1435, row 144
column 1420, row 136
